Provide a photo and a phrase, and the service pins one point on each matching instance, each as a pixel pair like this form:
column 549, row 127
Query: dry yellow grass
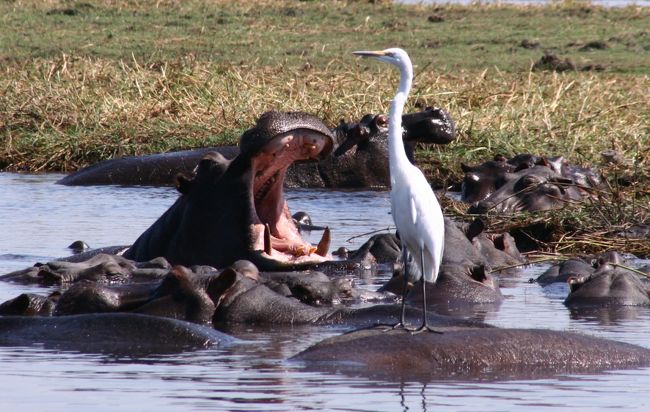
column 66, row 112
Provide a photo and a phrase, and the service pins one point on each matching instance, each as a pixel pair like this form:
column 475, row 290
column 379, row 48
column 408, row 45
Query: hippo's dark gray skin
column 361, row 160
column 189, row 295
column 244, row 300
column 465, row 244
column 233, row 210
column 30, row 304
column 577, row 269
column 598, row 281
column 119, row 333
column 97, row 268
column 458, row 289
column 608, row 286
column 225, row 298
column 574, row 267
column 481, row 181
column 469, row 353
column 148, row 170
column 353, row 170
column 180, row 295
column 311, row 287
column 532, row 189
column 464, row 279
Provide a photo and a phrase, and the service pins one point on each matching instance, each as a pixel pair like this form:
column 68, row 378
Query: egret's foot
column 424, row 328
column 399, row 325
column 388, row 327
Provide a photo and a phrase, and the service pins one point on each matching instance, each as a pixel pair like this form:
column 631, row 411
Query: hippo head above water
column 432, row 125
column 235, row 209
column 533, row 189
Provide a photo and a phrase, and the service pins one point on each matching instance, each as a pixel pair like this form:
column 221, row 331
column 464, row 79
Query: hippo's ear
column 478, row 273
column 475, row 228
column 15, row 306
column 219, row 285
column 183, row 183
column 466, row 168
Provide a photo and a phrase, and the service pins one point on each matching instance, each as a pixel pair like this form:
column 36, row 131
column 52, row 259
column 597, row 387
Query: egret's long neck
column 396, row 154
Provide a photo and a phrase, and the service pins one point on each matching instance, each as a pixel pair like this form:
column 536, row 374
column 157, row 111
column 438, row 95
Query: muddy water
column 39, row 219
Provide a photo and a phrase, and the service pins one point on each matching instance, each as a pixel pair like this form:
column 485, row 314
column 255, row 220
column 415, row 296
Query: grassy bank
column 81, row 82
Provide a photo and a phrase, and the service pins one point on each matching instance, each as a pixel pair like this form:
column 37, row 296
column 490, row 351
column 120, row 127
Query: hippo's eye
column 527, row 182
column 530, row 180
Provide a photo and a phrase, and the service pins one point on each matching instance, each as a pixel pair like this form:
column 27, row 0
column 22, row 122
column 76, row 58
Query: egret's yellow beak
column 369, row 53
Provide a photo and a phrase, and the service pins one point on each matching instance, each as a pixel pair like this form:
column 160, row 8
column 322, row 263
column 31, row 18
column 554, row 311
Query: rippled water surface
column 38, row 219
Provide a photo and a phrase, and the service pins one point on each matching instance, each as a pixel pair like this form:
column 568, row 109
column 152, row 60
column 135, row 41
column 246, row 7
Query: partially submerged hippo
column 98, row 268
column 608, row 286
column 365, row 166
column 233, row 210
column 532, row 189
column 464, row 280
column 237, row 295
column 599, row 281
column 533, row 182
column 245, row 300
column 121, row 333
column 469, row 353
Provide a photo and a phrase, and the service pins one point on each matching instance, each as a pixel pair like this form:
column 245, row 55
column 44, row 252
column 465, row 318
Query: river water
column 38, row 219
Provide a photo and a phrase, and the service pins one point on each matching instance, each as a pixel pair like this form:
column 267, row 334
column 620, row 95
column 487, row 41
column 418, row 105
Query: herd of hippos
column 229, row 252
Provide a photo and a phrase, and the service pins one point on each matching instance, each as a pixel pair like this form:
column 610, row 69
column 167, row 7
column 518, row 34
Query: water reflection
column 40, row 219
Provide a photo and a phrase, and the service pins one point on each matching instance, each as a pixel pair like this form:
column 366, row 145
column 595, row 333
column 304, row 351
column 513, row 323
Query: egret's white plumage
column 414, row 206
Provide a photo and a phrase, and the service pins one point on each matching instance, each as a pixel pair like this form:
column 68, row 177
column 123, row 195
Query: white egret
column 414, row 206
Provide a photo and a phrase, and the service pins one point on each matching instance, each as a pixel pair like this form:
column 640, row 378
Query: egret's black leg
column 402, row 319
column 425, row 322
column 401, row 323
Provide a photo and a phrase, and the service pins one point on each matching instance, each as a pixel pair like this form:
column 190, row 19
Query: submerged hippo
column 365, row 166
column 551, row 181
column 464, row 280
column 123, row 333
column 599, row 281
column 608, row 286
column 237, row 295
column 235, row 209
column 469, row 353
column 532, row 189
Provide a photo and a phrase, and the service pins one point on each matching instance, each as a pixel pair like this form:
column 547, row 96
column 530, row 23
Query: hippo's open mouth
column 274, row 232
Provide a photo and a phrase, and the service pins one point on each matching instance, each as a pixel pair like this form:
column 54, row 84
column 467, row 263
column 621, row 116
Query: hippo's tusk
column 268, row 247
column 324, row 244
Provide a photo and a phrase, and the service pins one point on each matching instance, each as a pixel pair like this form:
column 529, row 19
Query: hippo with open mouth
column 235, row 209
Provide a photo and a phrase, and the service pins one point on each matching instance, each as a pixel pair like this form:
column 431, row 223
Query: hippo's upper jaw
column 274, row 234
